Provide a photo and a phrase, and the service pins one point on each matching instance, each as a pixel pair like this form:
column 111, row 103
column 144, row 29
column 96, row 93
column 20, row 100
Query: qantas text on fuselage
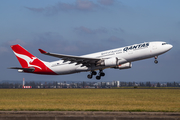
column 120, row 58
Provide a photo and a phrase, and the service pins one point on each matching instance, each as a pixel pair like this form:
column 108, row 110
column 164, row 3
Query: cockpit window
column 164, row 43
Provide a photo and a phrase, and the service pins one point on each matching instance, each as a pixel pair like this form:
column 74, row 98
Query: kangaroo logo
column 28, row 60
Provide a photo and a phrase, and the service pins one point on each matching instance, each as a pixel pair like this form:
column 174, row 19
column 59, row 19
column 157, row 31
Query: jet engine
column 108, row 62
column 124, row 66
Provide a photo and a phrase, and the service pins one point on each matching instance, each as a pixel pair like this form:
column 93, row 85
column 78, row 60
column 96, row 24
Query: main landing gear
column 101, row 73
column 91, row 75
column 156, row 61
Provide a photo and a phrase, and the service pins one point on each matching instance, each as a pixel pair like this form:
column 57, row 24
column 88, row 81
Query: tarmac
column 87, row 115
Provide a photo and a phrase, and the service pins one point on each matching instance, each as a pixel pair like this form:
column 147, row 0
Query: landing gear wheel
column 94, row 73
column 102, row 74
column 156, row 59
column 98, row 77
column 156, row 62
column 89, row 76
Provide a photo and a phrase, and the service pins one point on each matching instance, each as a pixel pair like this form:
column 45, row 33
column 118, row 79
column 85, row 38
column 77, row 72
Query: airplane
column 120, row 58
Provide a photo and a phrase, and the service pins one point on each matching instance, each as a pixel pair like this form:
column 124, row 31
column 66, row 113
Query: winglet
column 42, row 51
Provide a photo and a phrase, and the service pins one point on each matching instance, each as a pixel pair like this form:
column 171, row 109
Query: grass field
column 166, row 100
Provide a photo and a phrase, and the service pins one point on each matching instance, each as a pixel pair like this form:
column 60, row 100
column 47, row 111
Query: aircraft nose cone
column 170, row 46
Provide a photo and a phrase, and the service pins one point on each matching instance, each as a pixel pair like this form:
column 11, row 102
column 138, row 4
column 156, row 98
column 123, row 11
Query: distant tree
column 142, row 84
column 133, row 83
column 33, row 84
column 49, row 85
column 16, row 85
column 174, row 84
column 148, row 84
column 158, row 84
column 5, row 85
column 55, row 84
column 83, row 84
column 169, row 85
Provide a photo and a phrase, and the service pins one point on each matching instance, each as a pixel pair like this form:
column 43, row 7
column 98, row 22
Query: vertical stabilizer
column 29, row 61
column 24, row 57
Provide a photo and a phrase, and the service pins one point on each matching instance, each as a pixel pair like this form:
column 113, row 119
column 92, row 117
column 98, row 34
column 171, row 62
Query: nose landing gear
column 156, row 61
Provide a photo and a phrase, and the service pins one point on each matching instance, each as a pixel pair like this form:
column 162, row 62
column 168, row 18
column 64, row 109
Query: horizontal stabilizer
column 24, row 69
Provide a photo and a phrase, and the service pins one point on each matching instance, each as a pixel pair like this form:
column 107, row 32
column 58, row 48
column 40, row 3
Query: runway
column 86, row 115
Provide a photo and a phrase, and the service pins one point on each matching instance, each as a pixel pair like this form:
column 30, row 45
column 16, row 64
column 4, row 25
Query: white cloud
column 80, row 5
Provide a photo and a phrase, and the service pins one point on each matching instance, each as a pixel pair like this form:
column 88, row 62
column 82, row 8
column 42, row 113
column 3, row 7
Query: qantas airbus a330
column 119, row 58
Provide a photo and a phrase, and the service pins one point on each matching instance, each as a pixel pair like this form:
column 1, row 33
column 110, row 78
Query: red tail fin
column 27, row 60
column 24, row 57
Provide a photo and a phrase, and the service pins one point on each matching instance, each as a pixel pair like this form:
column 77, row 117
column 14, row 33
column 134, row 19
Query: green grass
column 166, row 100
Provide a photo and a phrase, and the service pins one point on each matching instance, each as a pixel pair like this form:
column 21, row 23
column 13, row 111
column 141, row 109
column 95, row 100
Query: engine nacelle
column 124, row 66
column 108, row 62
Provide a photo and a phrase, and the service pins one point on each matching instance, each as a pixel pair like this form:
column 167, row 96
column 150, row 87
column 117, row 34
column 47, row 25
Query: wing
column 86, row 61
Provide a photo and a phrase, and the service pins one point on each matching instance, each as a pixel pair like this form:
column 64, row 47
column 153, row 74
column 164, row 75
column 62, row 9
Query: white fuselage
column 124, row 54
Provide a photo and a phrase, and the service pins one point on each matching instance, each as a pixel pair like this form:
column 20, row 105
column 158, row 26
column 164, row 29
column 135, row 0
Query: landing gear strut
column 101, row 73
column 156, row 61
column 91, row 75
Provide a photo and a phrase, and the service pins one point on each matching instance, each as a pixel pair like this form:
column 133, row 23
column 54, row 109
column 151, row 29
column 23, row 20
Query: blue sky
column 78, row 27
